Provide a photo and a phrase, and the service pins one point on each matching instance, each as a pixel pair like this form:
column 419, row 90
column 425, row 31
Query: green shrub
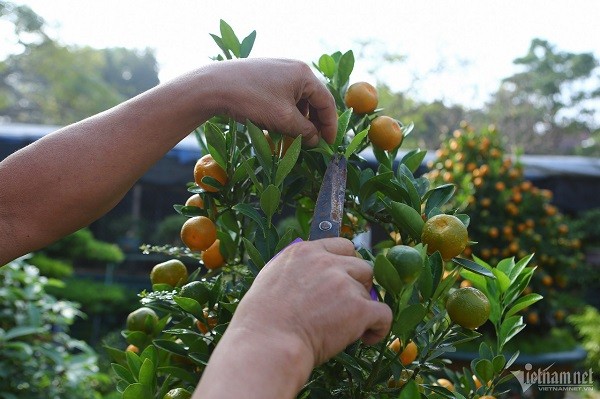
column 50, row 267
column 512, row 217
column 83, row 245
column 588, row 226
column 586, row 324
column 38, row 358
column 95, row 297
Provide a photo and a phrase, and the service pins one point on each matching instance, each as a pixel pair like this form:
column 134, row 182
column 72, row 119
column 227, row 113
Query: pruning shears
column 329, row 208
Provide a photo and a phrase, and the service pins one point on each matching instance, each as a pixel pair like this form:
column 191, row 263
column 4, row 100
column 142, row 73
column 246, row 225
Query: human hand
column 316, row 292
column 277, row 94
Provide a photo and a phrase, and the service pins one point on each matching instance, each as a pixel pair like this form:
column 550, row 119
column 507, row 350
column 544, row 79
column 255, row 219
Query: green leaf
column 355, row 143
column 215, row 140
column 408, row 319
column 437, row 197
column 150, row 353
column 523, row 302
column 189, row 211
column 407, row 218
column 249, row 211
column 478, row 280
column 519, row 267
column 436, row 264
column 247, row 45
column 288, row 161
column 484, row 370
column 269, row 201
column 381, row 182
column 137, row 338
column 253, row 253
column 261, row 146
column 506, row 265
column 510, row 327
column 137, row 391
column 444, row 286
column 171, row 346
column 512, row 359
column 285, row 240
column 115, row 354
column 343, row 121
column 519, row 284
column 211, row 181
column 441, row 391
column 485, row 352
column 229, row 38
column 123, row 373
column 248, row 167
column 345, row 67
column 327, row 65
column 474, row 267
column 386, row 275
column 134, row 363
column 179, row 373
column 221, row 45
column 465, row 219
column 189, row 305
column 21, row 331
column 415, row 199
column 147, row 373
column 410, row 390
column 413, row 159
column 426, row 282
column 498, row 362
column 502, row 280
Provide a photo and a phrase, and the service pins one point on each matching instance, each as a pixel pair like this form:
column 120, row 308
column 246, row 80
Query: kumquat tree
column 248, row 184
column 512, row 217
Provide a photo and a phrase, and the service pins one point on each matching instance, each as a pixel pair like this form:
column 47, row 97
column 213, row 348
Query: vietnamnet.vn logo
column 548, row 380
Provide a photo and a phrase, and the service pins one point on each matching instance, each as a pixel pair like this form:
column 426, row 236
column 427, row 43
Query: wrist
column 263, row 364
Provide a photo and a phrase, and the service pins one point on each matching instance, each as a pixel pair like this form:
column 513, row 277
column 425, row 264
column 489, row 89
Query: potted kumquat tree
column 248, row 180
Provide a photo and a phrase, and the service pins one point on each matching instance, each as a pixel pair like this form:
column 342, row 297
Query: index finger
column 322, row 103
column 337, row 245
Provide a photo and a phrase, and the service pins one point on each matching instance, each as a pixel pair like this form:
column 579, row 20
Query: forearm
column 81, row 171
column 246, row 365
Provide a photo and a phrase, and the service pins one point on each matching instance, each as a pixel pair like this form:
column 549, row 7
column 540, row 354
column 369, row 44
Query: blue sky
column 456, row 50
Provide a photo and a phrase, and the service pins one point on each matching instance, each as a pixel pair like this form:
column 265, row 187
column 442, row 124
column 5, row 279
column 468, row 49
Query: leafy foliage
column 55, row 84
column 512, row 217
column 263, row 184
column 38, row 359
column 586, row 324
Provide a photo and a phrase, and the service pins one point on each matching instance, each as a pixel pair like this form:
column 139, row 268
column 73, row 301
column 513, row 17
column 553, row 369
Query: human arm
column 69, row 178
column 304, row 307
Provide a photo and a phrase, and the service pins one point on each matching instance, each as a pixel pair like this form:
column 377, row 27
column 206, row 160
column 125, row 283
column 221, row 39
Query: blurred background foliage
column 512, row 217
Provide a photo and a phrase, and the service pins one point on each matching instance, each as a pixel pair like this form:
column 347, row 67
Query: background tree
column 47, row 82
column 548, row 107
column 512, row 217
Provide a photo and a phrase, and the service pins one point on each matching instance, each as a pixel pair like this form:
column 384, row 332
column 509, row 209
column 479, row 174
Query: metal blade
column 329, row 209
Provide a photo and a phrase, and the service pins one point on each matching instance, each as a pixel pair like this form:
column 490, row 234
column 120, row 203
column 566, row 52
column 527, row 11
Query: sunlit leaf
column 229, row 38
column 327, row 65
column 247, row 44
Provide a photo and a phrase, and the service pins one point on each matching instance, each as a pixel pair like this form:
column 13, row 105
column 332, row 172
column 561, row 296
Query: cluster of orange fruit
column 199, row 233
column 509, row 215
column 385, row 132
